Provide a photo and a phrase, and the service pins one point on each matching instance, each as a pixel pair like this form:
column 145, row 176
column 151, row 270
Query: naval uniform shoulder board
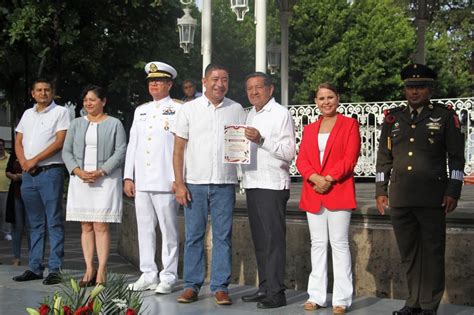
column 389, row 118
column 177, row 101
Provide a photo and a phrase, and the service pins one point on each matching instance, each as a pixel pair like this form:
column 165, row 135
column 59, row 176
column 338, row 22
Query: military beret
column 156, row 69
column 418, row 74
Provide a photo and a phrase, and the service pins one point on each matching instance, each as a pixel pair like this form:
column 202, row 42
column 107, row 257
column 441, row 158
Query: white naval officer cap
column 156, row 69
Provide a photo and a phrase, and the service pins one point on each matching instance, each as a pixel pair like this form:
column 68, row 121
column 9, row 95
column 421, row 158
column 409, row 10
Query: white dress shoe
column 164, row 288
column 142, row 285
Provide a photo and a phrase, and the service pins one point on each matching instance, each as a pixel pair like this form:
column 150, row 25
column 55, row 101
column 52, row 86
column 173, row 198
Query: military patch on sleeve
column 390, row 119
column 380, row 177
column 457, row 124
column 457, row 175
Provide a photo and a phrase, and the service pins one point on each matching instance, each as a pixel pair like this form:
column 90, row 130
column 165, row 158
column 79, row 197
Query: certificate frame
column 236, row 145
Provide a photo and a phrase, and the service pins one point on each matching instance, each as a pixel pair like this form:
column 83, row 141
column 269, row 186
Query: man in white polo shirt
column 204, row 184
column 148, row 176
column 39, row 140
column 267, row 187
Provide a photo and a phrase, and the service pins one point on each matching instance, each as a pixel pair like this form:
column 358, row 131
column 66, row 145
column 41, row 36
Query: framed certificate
column 236, row 146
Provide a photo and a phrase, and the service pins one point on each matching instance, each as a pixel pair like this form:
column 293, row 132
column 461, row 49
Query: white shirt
column 270, row 163
column 39, row 131
column 149, row 159
column 202, row 124
column 322, row 141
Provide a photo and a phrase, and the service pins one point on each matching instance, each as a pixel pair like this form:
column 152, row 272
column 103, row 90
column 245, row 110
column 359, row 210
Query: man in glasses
column 148, row 176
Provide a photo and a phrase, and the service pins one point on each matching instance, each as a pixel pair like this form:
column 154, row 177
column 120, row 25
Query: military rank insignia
column 168, row 111
column 434, row 124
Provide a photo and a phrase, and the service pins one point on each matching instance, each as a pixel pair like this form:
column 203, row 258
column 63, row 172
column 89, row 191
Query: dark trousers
column 421, row 237
column 266, row 210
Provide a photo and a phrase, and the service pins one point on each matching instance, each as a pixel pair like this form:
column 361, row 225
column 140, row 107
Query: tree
column 358, row 47
column 80, row 42
column 450, row 49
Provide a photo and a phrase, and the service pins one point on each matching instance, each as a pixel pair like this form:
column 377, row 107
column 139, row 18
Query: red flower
column 67, row 310
column 43, row 309
column 130, row 311
column 82, row 310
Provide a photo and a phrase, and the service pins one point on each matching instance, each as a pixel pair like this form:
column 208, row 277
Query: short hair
column 189, row 81
column 42, row 80
column 97, row 90
column 267, row 80
column 326, row 85
column 213, row 66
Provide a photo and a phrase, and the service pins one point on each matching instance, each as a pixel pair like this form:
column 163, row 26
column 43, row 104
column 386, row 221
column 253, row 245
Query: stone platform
column 16, row 296
column 375, row 257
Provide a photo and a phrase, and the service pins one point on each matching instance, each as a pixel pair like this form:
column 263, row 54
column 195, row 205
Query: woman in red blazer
column 327, row 156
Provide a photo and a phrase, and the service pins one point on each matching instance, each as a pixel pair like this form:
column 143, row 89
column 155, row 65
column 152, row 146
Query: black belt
column 37, row 170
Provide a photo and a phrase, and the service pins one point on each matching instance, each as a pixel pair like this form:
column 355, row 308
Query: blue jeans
column 42, row 196
column 18, row 228
column 219, row 200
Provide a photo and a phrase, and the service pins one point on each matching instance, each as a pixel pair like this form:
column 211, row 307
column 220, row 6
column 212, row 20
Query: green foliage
column 116, row 293
column 359, row 48
column 362, row 47
column 113, row 298
column 450, row 50
column 102, row 42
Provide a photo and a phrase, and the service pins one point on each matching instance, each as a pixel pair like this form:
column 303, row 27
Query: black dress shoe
column 256, row 297
column 52, row 278
column 407, row 310
column 27, row 276
column 272, row 302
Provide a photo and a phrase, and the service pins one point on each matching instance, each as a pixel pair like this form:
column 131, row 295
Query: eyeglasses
column 157, row 83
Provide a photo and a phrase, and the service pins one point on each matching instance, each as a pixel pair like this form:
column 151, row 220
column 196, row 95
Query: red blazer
column 340, row 157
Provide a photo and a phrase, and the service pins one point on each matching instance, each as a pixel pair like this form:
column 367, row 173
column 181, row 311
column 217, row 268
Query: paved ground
column 14, row 297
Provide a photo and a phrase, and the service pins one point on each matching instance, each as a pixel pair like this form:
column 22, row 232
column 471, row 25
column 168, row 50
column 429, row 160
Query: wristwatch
column 260, row 142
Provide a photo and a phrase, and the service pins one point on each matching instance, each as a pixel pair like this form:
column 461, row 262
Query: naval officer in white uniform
column 148, row 176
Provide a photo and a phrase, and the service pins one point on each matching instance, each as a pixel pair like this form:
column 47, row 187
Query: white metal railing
column 370, row 117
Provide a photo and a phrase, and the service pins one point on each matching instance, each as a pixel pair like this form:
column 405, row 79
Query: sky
column 199, row 4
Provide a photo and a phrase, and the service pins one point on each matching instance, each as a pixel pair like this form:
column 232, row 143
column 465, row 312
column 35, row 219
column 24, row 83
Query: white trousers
column 332, row 225
column 153, row 208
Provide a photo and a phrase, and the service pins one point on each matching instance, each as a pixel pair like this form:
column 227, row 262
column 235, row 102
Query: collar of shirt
column 162, row 101
column 209, row 103
column 419, row 109
column 47, row 109
column 267, row 107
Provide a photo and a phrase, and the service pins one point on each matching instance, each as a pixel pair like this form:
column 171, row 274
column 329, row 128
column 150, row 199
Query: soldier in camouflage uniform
column 417, row 143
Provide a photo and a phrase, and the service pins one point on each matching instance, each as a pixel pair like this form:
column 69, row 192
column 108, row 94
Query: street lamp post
column 273, row 57
column 240, row 7
column 187, row 28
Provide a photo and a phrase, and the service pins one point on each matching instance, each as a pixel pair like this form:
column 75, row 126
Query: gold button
column 150, row 127
column 154, row 116
column 409, row 168
column 410, row 153
column 148, row 152
column 413, row 126
column 148, row 164
column 412, row 139
column 149, row 138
